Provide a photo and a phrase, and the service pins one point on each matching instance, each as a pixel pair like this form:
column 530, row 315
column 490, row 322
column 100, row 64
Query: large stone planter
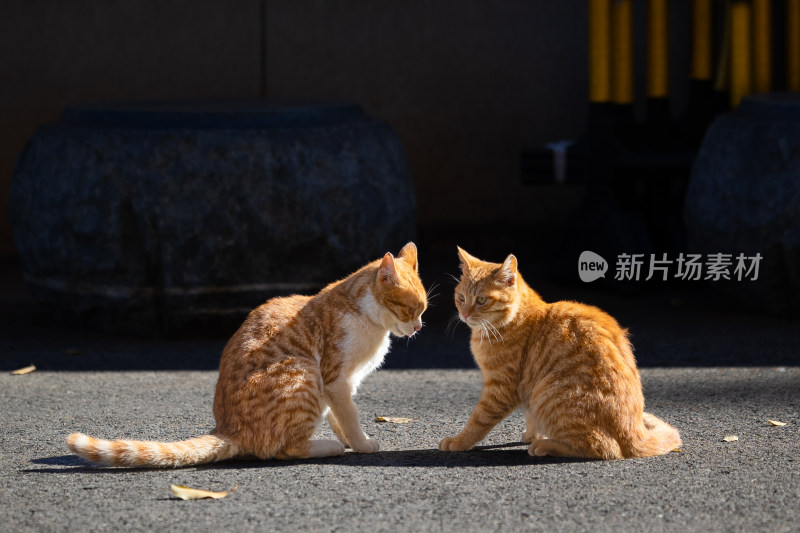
column 744, row 197
column 152, row 216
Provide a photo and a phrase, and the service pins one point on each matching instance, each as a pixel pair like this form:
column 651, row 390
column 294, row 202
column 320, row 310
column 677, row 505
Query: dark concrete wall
column 466, row 84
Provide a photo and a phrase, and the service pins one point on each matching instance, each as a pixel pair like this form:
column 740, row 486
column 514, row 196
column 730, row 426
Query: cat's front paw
column 453, row 444
column 366, row 446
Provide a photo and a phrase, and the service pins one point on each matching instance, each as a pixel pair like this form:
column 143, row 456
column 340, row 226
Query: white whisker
column 432, row 288
column 484, row 332
column 452, row 324
column 495, row 331
column 485, row 326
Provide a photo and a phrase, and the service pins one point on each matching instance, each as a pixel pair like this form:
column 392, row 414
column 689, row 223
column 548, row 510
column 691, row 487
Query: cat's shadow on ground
column 509, row 454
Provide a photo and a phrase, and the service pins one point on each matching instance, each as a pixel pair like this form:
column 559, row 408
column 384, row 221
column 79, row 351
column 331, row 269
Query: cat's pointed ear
column 409, row 254
column 466, row 260
column 507, row 273
column 387, row 273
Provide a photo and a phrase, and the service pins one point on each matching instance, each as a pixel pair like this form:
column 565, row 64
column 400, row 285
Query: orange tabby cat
column 569, row 365
column 293, row 360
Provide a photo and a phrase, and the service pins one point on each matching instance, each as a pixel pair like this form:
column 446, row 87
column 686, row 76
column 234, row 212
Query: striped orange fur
column 570, row 366
column 293, row 361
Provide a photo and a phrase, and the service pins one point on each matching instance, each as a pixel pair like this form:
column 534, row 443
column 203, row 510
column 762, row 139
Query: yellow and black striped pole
column 701, row 106
column 622, row 53
column 599, row 51
column 658, row 49
column 702, row 46
column 741, row 51
column 793, row 45
column 657, row 53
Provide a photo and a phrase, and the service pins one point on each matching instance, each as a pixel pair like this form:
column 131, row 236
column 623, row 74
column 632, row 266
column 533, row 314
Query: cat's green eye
column 481, row 300
column 460, row 297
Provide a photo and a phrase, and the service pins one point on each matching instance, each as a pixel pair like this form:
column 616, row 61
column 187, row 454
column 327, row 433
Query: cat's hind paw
column 325, row 448
column 553, row 448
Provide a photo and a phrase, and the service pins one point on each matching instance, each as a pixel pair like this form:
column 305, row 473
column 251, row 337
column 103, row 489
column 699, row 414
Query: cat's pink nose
column 417, row 327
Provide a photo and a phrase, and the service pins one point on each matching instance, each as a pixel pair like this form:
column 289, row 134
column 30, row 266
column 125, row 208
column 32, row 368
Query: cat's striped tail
column 131, row 453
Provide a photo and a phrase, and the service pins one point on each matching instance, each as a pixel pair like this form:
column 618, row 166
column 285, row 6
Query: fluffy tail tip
column 82, row 446
column 74, row 441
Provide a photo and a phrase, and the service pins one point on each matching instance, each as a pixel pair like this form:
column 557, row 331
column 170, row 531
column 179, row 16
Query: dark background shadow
column 671, row 324
column 466, row 88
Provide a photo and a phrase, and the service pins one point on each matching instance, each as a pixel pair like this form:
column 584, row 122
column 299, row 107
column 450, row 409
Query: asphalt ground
column 708, row 368
column 710, row 485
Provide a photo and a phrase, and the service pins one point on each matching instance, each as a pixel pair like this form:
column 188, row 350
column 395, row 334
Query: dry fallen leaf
column 26, row 370
column 776, row 423
column 678, row 450
column 393, row 419
column 730, row 438
column 186, row 493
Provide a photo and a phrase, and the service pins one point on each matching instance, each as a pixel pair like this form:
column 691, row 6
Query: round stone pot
column 151, row 217
column 744, row 197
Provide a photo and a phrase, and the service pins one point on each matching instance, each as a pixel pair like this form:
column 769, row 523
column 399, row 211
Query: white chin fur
column 397, row 331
